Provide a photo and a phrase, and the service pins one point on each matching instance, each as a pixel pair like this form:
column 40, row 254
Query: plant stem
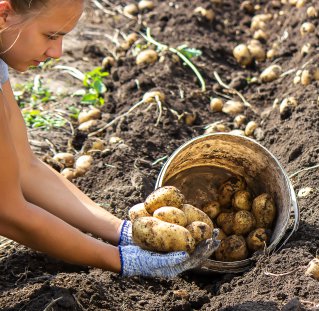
column 161, row 46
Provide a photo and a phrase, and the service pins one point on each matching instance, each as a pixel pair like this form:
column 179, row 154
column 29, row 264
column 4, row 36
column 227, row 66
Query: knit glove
column 126, row 234
column 136, row 261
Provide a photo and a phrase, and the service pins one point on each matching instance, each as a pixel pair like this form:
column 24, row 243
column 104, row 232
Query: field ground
column 125, row 172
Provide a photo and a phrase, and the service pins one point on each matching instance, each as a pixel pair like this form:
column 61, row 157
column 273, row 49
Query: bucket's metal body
column 245, row 157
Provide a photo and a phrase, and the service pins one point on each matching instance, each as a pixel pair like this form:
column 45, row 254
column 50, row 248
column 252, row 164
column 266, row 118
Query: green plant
column 33, row 93
column 93, row 82
column 183, row 52
column 36, row 119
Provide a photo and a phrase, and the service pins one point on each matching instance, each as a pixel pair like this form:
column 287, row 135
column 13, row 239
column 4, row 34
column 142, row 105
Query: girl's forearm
column 42, row 231
column 48, row 189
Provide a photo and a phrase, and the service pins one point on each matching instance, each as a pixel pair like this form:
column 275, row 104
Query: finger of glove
column 202, row 252
column 169, row 259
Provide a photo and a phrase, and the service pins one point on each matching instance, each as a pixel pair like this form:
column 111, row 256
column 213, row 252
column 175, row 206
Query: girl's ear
column 5, row 9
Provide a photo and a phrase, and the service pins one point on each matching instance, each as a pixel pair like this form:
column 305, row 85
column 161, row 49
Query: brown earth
column 126, row 173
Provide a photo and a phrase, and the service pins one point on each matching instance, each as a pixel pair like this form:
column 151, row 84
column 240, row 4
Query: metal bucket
column 245, row 157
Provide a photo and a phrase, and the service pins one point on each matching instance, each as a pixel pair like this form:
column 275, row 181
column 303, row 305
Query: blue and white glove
column 126, row 234
column 136, row 261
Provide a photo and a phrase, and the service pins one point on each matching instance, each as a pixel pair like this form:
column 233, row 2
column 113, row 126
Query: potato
column 164, row 196
column 221, row 235
column 242, row 55
column 264, row 210
column 137, row 211
column 225, row 221
column 208, row 14
column 242, row 200
column 212, row 209
column 271, row 73
column 83, row 163
column 200, row 231
column 92, row 114
column 146, row 57
column 250, row 128
column 243, row 222
column 228, row 188
column 153, row 234
column 145, row 5
column 313, row 269
column 232, row 248
column 312, row 12
column 239, row 120
column 307, row 28
column 130, row 9
column 87, row 126
column 153, row 96
column 258, row 239
column 194, row 214
column 257, row 51
column 65, row 158
column 68, row 173
column 216, row 104
column 172, row 215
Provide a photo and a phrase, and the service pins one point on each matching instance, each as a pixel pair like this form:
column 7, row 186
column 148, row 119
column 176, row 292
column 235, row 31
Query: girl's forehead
column 63, row 16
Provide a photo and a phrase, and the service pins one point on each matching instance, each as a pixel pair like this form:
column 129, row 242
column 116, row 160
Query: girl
column 38, row 207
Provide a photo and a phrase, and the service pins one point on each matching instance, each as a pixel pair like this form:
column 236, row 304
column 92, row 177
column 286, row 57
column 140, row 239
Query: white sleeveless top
column 4, row 74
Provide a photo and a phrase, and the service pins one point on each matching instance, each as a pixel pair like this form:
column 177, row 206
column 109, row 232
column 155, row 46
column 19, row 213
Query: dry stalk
column 280, row 274
column 303, row 170
column 52, row 303
column 101, row 7
column 116, row 119
column 217, row 77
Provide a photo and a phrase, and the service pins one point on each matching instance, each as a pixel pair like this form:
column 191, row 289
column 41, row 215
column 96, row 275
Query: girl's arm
column 49, row 190
column 28, row 224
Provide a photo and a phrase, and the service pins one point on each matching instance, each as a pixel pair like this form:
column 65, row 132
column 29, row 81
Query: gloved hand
column 126, row 234
column 136, row 261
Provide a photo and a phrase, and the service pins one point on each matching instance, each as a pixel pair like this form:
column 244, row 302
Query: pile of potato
column 164, row 222
column 244, row 222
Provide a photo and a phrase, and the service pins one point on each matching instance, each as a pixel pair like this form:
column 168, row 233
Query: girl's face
column 39, row 38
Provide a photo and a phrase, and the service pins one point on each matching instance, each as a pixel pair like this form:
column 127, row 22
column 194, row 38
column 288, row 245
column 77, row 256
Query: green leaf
column 189, row 52
column 99, row 86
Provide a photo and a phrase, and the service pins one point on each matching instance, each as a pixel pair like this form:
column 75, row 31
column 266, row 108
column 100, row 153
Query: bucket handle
column 296, row 212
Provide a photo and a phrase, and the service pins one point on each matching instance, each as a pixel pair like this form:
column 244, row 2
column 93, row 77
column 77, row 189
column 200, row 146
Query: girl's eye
column 53, row 37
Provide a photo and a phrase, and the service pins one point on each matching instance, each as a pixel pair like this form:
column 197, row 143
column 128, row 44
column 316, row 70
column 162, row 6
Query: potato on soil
column 164, row 196
column 146, row 57
column 313, row 269
column 212, row 209
column 228, row 188
column 200, row 231
column 242, row 200
column 194, row 214
column 153, row 234
column 172, row 215
column 84, row 163
column 243, row 222
column 225, row 222
column 258, row 239
column 137, row 211
column 264, row 210
column 242, row 55
column 65, row 158
column 232, row 248
column 271, row 73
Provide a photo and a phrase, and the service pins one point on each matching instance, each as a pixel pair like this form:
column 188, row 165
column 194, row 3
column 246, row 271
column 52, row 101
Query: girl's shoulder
column 4, row 75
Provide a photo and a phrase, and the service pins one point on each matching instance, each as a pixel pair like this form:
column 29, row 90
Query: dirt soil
column 125, row 172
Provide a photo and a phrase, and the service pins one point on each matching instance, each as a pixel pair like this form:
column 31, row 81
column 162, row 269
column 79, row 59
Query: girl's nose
column 55, row 50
